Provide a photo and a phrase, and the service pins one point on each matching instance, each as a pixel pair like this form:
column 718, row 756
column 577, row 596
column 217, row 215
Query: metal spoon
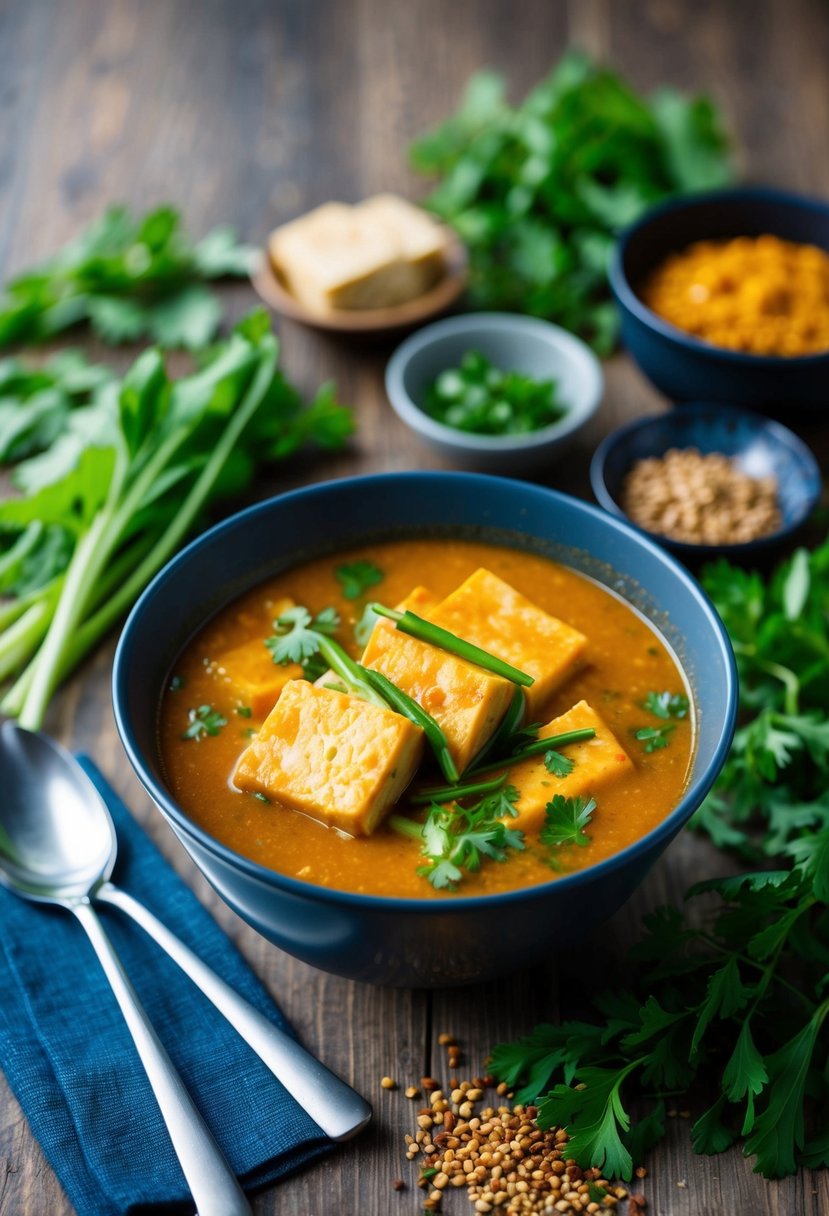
column 58, row 846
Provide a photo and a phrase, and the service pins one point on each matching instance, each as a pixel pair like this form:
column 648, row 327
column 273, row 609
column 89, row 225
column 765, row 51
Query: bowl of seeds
column 708, row 480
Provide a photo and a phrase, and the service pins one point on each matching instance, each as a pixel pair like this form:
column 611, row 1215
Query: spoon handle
column 212, row 1183
column 333, row 1105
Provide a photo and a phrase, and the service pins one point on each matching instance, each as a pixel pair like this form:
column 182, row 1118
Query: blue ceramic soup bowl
column 683, row 367
column 430, row 941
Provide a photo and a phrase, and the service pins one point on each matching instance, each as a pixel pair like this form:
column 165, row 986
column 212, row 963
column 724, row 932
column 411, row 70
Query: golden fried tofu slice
column 332, row 756
column 250, row 670
column 491, row 614
column 597, row 762
column 256, row 679
column 466, row 701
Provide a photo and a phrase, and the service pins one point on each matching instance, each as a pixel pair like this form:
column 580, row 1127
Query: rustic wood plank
column 248, row 113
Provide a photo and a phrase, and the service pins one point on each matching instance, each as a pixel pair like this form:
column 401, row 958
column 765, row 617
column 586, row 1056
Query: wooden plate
column 273, row 290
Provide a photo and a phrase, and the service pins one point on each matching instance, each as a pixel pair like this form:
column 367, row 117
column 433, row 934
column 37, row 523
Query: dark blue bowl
column 685, row 368
column 759, row 446
column 419, row 942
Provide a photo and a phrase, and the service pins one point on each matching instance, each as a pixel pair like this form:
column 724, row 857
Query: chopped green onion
column 449, row 793
column 425, row 631
column 409, row 708
column 536, row 748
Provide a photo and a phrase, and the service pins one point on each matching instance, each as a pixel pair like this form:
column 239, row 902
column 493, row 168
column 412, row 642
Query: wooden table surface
column 248, row 112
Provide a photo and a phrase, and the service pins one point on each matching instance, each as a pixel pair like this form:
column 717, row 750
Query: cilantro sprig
column 456, row 840
column 539, row 191
column 734, row 1000
column 565, row 821
column 128, row 277
column 655, row 737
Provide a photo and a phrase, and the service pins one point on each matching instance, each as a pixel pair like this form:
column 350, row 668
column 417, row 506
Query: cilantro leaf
column 456, row 840
column 654, row 737
column 205, row 720
column 538, row 191
column 297, row 636
column 667, row 704
column 355, row 578
column 565, row 820
column 558, row 764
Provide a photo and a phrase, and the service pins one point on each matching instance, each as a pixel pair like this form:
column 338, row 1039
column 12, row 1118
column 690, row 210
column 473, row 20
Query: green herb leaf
column 203, row 721
column 558, row 764
column 565, row 820
column 356, row 578
column 297, row 636
column 537, row 192
column 456, row 840
column 655, row 737
column 667, row 704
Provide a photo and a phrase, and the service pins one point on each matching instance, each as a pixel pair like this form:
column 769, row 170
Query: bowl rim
column 571, row 347
column 660, row 835
column 781, row 435
column 630, row 301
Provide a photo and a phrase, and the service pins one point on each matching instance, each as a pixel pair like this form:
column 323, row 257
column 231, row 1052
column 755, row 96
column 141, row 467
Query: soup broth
column 206, row 724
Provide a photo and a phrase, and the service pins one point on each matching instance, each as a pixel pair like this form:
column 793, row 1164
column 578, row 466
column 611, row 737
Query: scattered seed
column 388, row 1083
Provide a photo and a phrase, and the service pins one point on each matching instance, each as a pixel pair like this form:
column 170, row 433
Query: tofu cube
column 465, row 701
column 331, row 756
column 491, row 614
column 251, row 672
column 598, row 762
column 253, row 675
column 381, row 252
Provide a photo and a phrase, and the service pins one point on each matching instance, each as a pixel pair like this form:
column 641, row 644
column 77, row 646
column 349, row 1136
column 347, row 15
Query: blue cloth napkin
column 68, row 1056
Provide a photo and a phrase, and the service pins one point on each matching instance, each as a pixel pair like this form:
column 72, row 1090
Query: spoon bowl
column 57, row 839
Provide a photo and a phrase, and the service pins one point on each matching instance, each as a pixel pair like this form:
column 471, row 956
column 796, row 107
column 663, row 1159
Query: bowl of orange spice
column 725, row 297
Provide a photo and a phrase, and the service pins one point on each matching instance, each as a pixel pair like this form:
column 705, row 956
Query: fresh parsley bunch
column 539, row 191
column 125, row 481
column 735, row 996
column 128, row 277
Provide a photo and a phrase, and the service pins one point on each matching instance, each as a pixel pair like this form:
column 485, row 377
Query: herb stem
column 409, row 708
column 425, row 631
column 450, row 793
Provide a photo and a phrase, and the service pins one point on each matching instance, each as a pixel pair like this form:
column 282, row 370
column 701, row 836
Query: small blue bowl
column 683, row 367
column 430, row 941
column 758, row 446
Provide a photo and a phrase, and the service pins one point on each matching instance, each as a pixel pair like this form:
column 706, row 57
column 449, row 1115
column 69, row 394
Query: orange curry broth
column 626, row 660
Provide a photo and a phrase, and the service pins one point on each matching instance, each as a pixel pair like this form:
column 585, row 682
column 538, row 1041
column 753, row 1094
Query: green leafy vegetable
column 203, row 721
column 480, row 398
column 128, row 277
column 356, row 578
column 565, row 820
column 118, row 492
column 538, row 191
column 735, row 998
column 456, row 840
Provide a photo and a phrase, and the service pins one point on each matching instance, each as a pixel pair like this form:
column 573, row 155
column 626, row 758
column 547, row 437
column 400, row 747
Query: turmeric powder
column 761, row 295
